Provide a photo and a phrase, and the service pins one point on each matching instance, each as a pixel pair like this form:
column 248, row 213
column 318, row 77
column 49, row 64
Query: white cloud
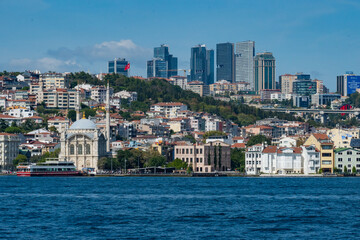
column 105, row 51
column 43, row 64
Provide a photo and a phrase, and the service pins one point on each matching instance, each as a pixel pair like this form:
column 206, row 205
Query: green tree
column 178, row 164
column 257, row 139
column 354, row 169
column 19, row 159
column 345, row 169
column 238, row 159
column 13, row 130
column 72, row 115
column 53, row 129
column 3, row 125
column 213, row 133
column 190, row 138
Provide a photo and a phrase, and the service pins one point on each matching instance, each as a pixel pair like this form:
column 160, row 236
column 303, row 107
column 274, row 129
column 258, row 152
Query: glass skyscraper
column 202, row 64
column 157, row 68
column 166, row 65
column 244, row 62
column 118, row 66
column 225, row 62
column 264, row 71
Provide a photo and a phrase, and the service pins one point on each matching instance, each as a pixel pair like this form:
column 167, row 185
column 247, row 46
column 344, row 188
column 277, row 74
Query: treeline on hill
column 159, row 90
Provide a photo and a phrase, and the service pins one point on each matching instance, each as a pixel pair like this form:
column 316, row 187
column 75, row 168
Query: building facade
column 324, row 144
column 163, row 65
column 209, row 157
column 119, row 66
column 202, row 64
column 225, row 62
column 53, row 81
column 244, row 62
column 83, row 144
column 9, row 149
column 264, row 65
column 347, row 83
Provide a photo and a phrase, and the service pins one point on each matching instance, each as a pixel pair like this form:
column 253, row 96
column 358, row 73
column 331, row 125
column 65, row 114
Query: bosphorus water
column 179, row 208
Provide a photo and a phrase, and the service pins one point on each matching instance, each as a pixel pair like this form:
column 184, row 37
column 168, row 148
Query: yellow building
column 324, row 144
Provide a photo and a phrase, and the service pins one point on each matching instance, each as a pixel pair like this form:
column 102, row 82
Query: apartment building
column 209, row 157
column 9, row 149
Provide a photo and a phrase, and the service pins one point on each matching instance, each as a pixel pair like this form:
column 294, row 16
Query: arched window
column 72, row 149
column 87, row 149
column 80, row 149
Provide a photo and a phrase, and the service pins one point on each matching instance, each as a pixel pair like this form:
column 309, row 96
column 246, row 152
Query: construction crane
column 176, row 71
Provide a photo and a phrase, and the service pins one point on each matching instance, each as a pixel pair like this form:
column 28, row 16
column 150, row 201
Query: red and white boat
column 48, row 168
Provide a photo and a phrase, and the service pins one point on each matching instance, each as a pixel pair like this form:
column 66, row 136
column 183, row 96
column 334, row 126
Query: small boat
column 48, row 168
column 89, row 171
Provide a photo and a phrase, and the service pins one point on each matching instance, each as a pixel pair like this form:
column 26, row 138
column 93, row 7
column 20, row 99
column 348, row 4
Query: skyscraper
column 225, row 62
column 202, row 64
column 244, row 62
column 163, row 65
column 264, row 69
column 347, row 83
column 118, row 66
column 157, row 68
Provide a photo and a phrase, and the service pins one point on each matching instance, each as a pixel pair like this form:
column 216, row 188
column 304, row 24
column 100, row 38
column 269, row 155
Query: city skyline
column 72, row 36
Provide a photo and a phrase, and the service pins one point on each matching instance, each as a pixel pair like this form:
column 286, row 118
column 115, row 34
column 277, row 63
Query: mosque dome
column 83, row 124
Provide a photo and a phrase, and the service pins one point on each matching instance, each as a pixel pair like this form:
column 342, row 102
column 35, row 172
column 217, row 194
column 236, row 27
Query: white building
column 290, row 160
column 280, row 96
column 253, row 159
column 169, row 109
column 9, row 149
column 311, row 158
column 179, row 81
column 131, row 96
column 287, row 142
column 20, row 112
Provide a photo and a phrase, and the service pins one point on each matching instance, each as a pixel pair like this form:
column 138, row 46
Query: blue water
column 179, row 208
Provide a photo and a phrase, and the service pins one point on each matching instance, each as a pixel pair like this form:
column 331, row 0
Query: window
column 183, row 151
column 197, row 151
column 358, row 159
column 191, row 151
column 340, row 160
column 358, row 153
column 340, row 153
column 358, row 165
column 326, row 162
column 326, row 146
column 349, row 166
column 72, row 149
column 326, row 154
column 187, row 151
column 79, row 151
column 201, row 160
column 349, row 159
column 349, row 152
column 87, row 149
column 177, row 151
column 339, row 165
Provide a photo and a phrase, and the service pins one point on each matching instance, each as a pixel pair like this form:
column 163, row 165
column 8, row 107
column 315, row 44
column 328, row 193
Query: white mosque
column 83, row 143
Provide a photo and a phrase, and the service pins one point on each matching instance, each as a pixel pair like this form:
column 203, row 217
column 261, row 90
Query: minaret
column 77, row 106
column 107, row 109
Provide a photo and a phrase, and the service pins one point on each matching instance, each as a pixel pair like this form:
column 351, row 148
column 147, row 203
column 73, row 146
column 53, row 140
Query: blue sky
column 317, row 37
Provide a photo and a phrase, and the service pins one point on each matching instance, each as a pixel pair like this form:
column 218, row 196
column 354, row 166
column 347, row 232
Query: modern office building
column 244, row 62
column 264, row 69
column 157, row 68
column 119, row 66
column 225, row 62
column 303, row 85
column 163, row 65
column 202, row 64
column 348, row 83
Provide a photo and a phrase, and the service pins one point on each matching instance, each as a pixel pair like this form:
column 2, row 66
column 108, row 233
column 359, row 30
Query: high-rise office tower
column 244, row 62
column 163, row 65
column 225, row 62
column 202, row 64
column 264, row 70
column 347, row 83
column 119, row 66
